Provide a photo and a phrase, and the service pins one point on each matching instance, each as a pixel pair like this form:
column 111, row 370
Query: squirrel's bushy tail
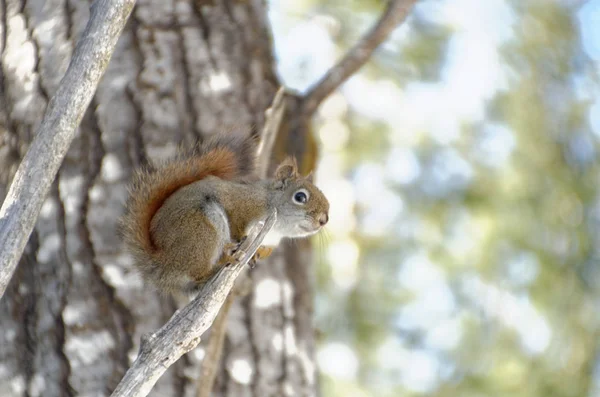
column 224, row 156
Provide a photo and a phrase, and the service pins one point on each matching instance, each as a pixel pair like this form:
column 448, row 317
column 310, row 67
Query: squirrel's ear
column 311, row 177
column 287, row 169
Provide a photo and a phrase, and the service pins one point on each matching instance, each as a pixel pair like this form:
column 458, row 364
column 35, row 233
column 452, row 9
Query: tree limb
column 53, row 138
column 273, row 117
column 182, row 332
column 357, row 56
column 214, row 348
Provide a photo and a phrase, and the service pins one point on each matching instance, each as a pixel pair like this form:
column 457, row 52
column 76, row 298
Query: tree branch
column 53, row 138
column 182, row 332
column 357, row 56
column 273, row 117
column 214, row 348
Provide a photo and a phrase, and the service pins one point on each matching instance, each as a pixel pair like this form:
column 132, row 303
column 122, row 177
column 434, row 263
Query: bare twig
column 273, row 117
column 183, row 331
column 395, row 13
column 214, row 348
column 64, row 113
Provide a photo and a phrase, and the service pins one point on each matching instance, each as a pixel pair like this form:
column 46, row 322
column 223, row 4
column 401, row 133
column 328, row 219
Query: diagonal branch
column 182, row 332
column 273, row 117
column 64, row 113
column 214, row 348
column 357, row 56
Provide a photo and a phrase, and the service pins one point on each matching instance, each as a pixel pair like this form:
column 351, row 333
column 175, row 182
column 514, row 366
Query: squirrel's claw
column 252, row 263
column 261, row 253
column 231, row 248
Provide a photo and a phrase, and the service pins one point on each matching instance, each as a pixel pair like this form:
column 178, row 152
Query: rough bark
column 64, row 112
column 75, row 310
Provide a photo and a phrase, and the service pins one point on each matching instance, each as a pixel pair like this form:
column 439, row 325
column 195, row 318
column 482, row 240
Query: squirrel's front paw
column 261, row 253
column 229, row 250
column 252, row 263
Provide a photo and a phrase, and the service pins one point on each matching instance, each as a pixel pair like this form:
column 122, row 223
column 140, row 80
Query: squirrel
column 183, row 219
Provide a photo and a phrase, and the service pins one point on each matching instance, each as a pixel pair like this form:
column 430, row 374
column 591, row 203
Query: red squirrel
column 184, row 217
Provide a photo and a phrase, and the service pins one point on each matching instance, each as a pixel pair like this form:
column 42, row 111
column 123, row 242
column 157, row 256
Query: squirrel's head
column 302, row 208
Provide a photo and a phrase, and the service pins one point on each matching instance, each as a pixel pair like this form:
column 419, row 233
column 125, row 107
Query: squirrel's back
column 225, row 156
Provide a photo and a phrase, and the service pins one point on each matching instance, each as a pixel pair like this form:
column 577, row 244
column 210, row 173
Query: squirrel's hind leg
column 211, row 228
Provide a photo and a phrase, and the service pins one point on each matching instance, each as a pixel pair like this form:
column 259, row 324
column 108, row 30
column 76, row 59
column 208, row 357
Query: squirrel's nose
column 323, row 219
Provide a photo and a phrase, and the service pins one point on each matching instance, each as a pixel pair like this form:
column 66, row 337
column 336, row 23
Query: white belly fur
column 272, row 238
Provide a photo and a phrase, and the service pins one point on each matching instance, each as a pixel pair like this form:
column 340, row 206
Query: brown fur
column 151, row 189
column 225, row 156
column 181, row 216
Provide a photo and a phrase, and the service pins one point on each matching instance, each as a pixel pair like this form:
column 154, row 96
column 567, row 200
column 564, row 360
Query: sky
column 589, row 18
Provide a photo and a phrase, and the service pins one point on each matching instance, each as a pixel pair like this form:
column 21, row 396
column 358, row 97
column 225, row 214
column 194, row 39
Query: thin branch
column 273, row 117
column 214, row 348
column 357, row 56
column 182, row 332
column 53, row 138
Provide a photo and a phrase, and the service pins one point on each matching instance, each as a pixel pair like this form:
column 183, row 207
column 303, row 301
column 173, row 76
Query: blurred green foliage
column 486, row 280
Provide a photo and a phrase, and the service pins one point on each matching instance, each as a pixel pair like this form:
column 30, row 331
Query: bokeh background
column 463, row 253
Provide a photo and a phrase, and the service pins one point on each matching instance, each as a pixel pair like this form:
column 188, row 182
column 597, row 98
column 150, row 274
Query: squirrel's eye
column 301, row 197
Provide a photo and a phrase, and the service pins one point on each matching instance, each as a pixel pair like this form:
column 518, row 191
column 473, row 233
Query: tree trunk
column 75, row 309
